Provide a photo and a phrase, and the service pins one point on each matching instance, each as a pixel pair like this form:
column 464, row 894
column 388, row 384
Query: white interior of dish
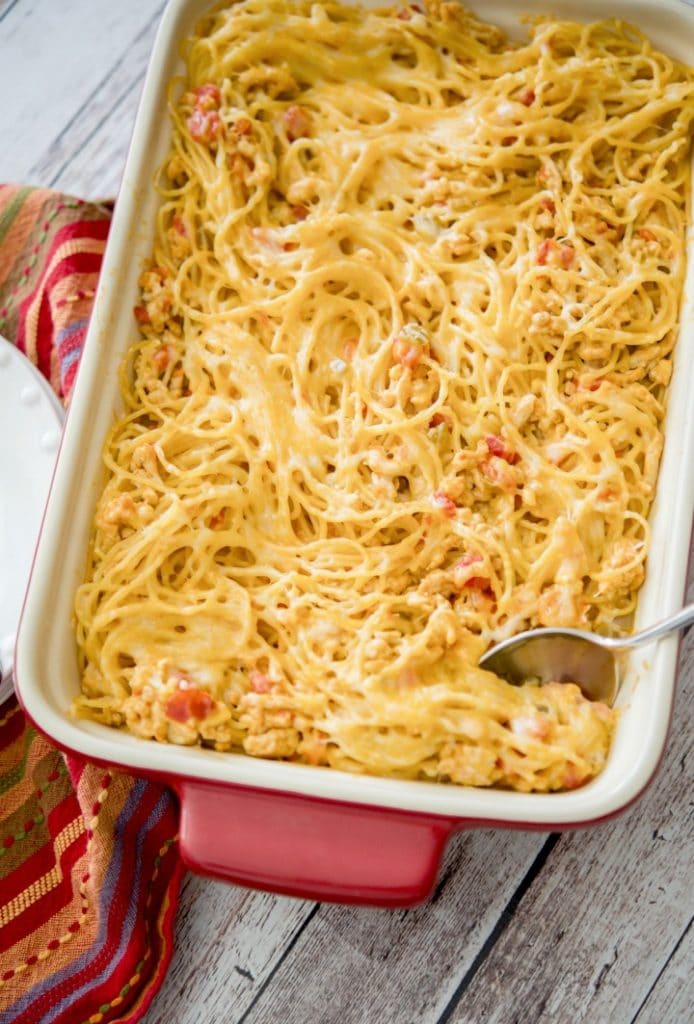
column 46, row 667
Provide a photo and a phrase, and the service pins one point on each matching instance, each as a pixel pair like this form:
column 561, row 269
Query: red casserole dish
column 307, row 831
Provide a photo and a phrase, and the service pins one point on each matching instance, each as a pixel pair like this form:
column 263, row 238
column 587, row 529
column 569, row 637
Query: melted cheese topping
column 406, row 335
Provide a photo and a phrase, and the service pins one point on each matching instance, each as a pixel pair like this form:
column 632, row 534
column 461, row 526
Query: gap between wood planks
column 285, row 953
column 481, row 871
column 6, row 6
column 500, row 926
column 142, row 41
column 54, row 58
column 506, row 914
column 94, row 116
column 661, row 973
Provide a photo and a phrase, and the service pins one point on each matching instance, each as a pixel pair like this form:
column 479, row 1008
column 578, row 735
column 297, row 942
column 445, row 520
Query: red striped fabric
column 89, row 865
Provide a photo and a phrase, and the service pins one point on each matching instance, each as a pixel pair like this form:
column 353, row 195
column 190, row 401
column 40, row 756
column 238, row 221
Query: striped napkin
column 89, row 865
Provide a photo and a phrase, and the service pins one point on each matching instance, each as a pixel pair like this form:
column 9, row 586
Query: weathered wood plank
column 94, row 169
column 672, row 996
column 399, row 967
column 592, row 934
column 54, row 56
column 87, row 156
column 228, row 941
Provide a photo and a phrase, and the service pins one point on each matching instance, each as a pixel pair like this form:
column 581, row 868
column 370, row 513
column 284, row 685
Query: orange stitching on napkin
column 10, row 714
column 89, row 293
column 75, row 925
column 96, row 1018
column 38, row 819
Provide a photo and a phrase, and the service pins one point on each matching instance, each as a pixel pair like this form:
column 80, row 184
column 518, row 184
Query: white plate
column 30, row 426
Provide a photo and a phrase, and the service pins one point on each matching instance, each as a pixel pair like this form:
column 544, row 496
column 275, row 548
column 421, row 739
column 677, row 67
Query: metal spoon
column 573, row 655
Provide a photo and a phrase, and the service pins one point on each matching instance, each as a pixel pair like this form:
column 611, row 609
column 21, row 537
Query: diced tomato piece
column 527, row 97
column 469, row 558
column 476, row 582
column 406, row 13
column 260, row 683
column 443, row 502
column 547, row 250
column 297, row 122
column 141, row 314
column 349, row 348
column 161, row 272
column 548, row 204
column 567, row 254
column 497, row 447
column 647, row 235
column 208, row 97
column 161, row 359
column 188, row 703
column 243, row 126
column 178, row 224
column 408, row 352
column 479, row 583
column 299, row 212
column 534, row 726
column 437, row 419
column 544, row 251
column 407, row 678
column 205, row 126
column 217, row 519
column 572, row 778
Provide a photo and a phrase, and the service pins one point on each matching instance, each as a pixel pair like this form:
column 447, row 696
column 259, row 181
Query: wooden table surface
column 590, row 926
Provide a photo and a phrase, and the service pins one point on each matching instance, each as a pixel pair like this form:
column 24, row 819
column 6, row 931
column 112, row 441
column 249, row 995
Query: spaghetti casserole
column 406, row 337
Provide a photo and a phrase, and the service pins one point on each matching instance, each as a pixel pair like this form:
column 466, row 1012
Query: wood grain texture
column 593, row 926
column 87, row 156
column 400, row 966
column 5, row 6
column 93, row 170
column 54, row 56
column 672, row 995
column 229, row 941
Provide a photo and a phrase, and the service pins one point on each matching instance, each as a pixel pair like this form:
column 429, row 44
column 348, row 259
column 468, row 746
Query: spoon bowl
column 557, row 656
column 573, row 656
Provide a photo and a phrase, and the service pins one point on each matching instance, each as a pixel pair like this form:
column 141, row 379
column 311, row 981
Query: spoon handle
column 683, row 618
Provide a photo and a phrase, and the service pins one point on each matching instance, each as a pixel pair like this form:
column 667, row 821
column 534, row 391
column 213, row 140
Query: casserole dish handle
column 311, row 848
